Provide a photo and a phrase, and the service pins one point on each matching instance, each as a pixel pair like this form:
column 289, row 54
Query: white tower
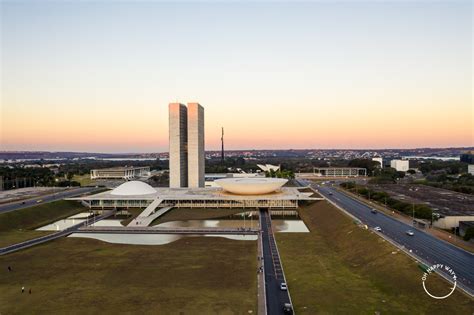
column 195, row 145
column 178, row 143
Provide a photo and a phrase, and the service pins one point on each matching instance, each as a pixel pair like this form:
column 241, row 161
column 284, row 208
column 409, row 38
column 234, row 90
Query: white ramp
column 147, row 221
column 145, row 213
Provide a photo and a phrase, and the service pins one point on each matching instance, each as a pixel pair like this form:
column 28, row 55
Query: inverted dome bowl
column 251, row 186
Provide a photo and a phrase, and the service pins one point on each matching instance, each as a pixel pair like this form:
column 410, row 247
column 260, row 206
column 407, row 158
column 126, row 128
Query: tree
column 469, row 233
column 365, row 163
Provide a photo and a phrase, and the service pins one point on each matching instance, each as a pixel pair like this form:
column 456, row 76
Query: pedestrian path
column 146, row 221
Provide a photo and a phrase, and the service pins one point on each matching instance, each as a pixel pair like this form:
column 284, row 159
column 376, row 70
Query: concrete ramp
column 149, row 214
column 146, row 221
column 148, row 210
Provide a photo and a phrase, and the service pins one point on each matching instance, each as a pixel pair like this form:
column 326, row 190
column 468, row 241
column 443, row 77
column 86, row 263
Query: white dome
column 251, row 186
column 133, row 188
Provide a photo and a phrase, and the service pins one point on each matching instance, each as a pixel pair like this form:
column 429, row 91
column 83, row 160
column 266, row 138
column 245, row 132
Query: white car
column 283, row 286
column 377, row 228
column 410, row 233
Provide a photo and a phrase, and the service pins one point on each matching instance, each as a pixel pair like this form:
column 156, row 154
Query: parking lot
column 442, row 201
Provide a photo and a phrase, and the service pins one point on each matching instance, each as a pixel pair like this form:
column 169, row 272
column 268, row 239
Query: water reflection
column 133, row 239
column 211, row 224
column 153, row 239
column 289, row 226
column 76, row 219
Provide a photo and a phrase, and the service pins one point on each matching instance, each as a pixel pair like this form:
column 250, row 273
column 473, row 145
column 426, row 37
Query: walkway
column 146, row 221
column 146, row 213
column 50, row 237
column 156, row 230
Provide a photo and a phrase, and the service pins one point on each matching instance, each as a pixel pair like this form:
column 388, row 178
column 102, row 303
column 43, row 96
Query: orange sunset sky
column 98, row 76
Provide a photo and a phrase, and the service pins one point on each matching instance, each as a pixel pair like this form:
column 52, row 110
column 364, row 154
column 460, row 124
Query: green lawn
column 339, row 268
column 195, row 275
column 19, row 225
column 84, row 180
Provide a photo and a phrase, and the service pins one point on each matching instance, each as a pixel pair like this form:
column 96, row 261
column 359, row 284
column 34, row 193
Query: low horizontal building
column 127, row 172
column 135, row 194
column 470, row 169
column 400, row 165
column 334, row 172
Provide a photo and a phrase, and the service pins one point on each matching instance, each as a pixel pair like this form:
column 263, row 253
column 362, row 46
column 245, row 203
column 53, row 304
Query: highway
column 53, row 236
column 429, row 248
column 275, row 298
column 17, row 205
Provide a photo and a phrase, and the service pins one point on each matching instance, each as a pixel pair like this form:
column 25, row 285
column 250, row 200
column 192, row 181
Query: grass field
column 339, row 268
column 181, row 214
column 19, row 225
column 195, row 275
column 84, row 180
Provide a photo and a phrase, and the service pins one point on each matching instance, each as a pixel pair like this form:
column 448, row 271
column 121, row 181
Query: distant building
column 378, row 159
column 400, row 165
column 339, row 171
column 467, row 157
column 127, row 173
column 268, row 167
column 470, row 169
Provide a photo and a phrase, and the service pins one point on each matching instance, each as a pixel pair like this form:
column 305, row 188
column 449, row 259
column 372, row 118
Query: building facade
column 195, row 145
column 470, row 169
column 400, row 165
column 178, row 144
column 127, row 173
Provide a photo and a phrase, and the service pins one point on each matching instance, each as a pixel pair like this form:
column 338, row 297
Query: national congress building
column 186, row 145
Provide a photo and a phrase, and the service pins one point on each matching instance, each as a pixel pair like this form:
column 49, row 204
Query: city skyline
column 98, row 77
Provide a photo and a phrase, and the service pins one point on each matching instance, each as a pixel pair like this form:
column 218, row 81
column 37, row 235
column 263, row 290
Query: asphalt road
column 46, row 198
column 424, row 245
column 275, row 298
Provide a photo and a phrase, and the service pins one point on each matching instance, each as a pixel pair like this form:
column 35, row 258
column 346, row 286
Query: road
column 53, row 236
column 427, row 247
column 275, row 297
column 17, row 205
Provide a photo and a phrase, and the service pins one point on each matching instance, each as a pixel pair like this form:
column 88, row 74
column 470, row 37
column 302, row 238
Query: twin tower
column 186, row 152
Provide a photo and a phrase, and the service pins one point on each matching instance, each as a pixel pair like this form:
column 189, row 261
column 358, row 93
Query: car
column 330, row 194
column 377, row 228
column 287, row 308
column 374, row 211
column 410, row 233
column 283, row 286
column 38, row 201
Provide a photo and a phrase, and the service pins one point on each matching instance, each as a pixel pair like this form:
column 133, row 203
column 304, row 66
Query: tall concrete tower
column 178, row 142
column 195, row 145
column 222, row 149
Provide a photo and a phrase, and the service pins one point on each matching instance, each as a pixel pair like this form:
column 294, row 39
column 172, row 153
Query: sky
column 97, row 76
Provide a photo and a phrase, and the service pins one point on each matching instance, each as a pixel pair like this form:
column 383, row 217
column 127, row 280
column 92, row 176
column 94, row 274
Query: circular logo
column 440, row 267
